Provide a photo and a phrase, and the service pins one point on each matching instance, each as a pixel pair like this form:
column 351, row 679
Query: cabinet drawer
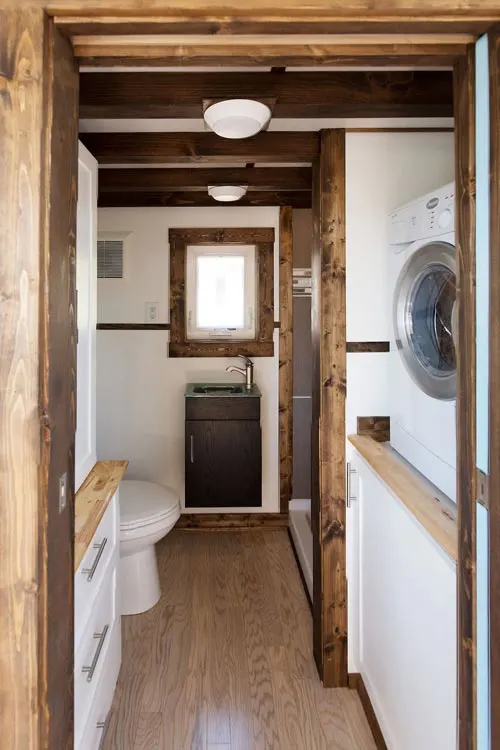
column 94, row 565
column 90, row 659
column 93, row 725
column 223, row 408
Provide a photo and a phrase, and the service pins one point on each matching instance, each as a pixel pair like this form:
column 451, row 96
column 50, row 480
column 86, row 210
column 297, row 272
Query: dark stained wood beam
column 197, row 180
column 294, row 199
column 333, row 94
column 207, row 148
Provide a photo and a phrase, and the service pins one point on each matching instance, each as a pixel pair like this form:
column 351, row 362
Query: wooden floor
column 224, row 661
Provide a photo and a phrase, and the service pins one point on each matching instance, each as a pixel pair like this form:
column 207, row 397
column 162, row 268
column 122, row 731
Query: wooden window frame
column 263, row 239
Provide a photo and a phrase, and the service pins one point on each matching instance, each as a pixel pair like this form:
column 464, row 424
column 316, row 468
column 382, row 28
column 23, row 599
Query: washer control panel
column 430, row 216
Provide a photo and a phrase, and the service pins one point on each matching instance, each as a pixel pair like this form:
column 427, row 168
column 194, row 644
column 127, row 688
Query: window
column 221, row 292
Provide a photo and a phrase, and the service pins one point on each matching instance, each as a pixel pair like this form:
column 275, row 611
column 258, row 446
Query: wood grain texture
column 285, row 388
column 465, row 190
column 329, row 392
column 203, row 148
column 225, row 656
column 265, row 179
column 194, row 199
column 360, row 347
column 494, row 416
column 415, row 495
column 133, row 326
column 378, row 428
column 92, row 500
column 263, row 239
column 231, row 521
column 296, row 94
column 356, row 682
column 38, row 140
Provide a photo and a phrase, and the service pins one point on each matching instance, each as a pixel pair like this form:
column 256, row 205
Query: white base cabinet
column 97, row 631
column 402, row 617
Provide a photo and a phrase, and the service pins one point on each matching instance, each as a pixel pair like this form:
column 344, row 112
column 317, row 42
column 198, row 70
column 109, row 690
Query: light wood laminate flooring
column 224, row 661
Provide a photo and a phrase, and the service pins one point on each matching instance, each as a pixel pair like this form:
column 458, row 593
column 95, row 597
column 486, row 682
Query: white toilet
column 147, row 513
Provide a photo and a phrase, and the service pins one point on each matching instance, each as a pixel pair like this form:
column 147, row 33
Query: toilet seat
column 144, row 504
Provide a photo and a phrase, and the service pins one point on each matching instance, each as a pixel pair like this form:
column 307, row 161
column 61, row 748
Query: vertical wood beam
column 285, row 355
column 465, row 194
column 38, row 140
column 329, row 389
column 494, row 370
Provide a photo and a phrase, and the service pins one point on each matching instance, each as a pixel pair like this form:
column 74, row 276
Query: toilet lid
column 142, row 503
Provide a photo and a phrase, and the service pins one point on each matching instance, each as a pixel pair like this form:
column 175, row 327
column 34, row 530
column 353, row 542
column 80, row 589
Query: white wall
column 140, row 391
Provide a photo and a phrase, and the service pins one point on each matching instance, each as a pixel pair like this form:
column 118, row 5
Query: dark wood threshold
column 299, row 567
column 231, row 521
column 143, row 326
column 356, row 347
column 356, row 683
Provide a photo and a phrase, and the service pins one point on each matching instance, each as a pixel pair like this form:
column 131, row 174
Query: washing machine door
column 425, row 319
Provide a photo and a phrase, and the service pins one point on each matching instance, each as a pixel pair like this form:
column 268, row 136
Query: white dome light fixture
column 227, row 193
column 237, row 118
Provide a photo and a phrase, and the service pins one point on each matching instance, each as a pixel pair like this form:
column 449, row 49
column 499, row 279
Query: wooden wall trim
column 464, row 85
column 329, row 393
column 133, row 326
column 378, row 428
column 358, row 347
column 263, row 239
column 494, row 370
column 357, row 683
column 38, row 163
column 286, row 356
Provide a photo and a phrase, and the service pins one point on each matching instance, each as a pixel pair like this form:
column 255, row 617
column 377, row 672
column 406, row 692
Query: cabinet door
column 223, row 464
column 86, row 286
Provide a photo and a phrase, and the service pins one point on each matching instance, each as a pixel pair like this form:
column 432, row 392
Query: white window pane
column 220, row 291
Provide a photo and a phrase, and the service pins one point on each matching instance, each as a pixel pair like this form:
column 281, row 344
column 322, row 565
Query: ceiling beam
column 265, row 179
column 399, row 50
column 333, row 94
column 295, row 199
column 205, row 148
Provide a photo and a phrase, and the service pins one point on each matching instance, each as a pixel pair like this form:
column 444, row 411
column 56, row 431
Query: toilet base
column 140, row 583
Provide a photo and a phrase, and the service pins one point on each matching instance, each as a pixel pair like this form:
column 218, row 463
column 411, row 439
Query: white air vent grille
column 110, row 259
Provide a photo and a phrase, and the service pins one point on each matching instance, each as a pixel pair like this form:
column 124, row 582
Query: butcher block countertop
column 415, row 495
column 91, row 502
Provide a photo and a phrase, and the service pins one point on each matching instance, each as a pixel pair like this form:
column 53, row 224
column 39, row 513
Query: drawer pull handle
column 90, row 572
column 104, row 726
column 191, row 445
column 101, row 637
column 350, row 472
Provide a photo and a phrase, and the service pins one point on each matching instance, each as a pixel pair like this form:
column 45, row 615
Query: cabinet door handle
column 191, row 448
column 104, row 726
column 349, row 498
column 90, row 572
column 101, row 637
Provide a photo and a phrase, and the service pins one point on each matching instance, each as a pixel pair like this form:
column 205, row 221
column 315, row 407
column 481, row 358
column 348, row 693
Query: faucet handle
column 247, row 359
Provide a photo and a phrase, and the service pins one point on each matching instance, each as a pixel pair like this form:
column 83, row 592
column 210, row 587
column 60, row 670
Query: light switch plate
column 151, row 312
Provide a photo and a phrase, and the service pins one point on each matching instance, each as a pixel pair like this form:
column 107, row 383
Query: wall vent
column 110, row 259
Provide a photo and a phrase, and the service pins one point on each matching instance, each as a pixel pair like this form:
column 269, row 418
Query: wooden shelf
column 91, row 502
column 415, row 495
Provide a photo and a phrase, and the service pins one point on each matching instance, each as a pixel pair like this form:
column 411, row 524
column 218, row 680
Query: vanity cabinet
column 223, row 452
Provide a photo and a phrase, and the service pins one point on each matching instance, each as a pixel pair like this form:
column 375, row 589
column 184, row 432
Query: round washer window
column 424, row 315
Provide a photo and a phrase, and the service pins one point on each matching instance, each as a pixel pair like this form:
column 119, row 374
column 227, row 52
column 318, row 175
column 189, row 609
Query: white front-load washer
column 423, row 378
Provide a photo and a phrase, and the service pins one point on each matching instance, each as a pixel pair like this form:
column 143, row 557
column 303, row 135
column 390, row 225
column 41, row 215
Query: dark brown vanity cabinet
column 223, row 452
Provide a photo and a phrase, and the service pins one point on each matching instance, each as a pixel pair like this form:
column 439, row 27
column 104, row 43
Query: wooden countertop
column 415, row 495
column 91, row 502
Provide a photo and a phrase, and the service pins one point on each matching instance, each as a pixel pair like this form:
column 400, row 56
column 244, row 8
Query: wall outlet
column 151, row 312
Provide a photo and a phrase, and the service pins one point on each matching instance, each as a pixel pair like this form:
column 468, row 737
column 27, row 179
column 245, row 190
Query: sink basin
column 199, row 390
column 215, row 390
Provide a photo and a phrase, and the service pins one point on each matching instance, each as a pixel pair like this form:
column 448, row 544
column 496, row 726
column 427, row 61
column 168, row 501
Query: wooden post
column 494, row 366
column 285, row 356
column 38, row 167
column 329, row 393
column 465, row 171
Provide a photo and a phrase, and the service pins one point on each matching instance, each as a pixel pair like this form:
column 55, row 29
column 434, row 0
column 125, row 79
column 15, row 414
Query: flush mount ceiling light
column 237, row 118
column 227, row 193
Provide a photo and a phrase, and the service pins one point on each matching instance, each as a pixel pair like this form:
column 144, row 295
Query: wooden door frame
column 36, row 364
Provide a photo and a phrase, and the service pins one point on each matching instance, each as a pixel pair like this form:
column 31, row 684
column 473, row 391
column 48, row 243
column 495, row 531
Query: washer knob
column 444, row 218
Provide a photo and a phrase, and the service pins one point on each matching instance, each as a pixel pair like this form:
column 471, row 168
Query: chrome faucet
column 247, row 372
